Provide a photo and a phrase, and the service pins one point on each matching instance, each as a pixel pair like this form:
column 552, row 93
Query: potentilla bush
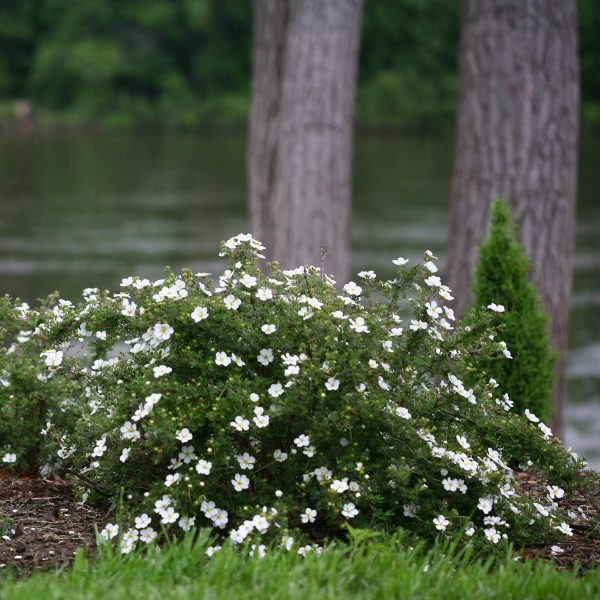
column 277, row 407
column 29, row 395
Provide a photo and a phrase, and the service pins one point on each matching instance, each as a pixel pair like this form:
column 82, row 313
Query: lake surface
column 82, row 209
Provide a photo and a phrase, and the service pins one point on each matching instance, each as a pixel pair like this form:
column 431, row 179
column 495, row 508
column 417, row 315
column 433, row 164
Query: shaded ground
column 41, row 523
column 584, row 513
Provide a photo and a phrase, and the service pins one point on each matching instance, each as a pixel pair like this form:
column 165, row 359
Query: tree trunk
column 517, row 137
column 300, row 144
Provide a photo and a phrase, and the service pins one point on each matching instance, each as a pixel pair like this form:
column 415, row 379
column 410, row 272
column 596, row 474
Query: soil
column 43, row 525
column 583, row 547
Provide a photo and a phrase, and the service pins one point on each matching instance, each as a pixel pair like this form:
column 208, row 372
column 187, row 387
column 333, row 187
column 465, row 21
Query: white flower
column 265, row 356
column 187, row 454
column 403, row 413
column 246, row 461
column 410, row 510
column 340, row 485
column 416, row 325
column 124, row 454
column 203, row 467
column 302, row 440
column 430, row 267
column 147, row 535
column 275, row 390
column 254, row 397
column 142, row 521
column 231, row 302
column 101, row 335
column 248, row 280
column 222, row 360
column 169, row 516
column 260, row 551
column 349, row 510
column 358, row 325
column 110, row 531
column 545, row 430
column 268, row 328
column 9, row 457
column 186, row 523
column 162, row 331
column 367, row 274
column 264, row 294
column 352, row 289
column 433, row 281
column 240, row 482
column 564, row 528
column 338, row 314
column 184, row 435
column 287, row 542
column 496, row 307
column 556, row 550
column 462, row 440
column 381, row 382
column 505, row 350
column 555, row 492
column 433, row 310
column 240, row 424
column 260, row 420
column 172, row 479
column 441, row 523
column 162, row 504
column 53, row 358
column 400, row 261
column 492, row 535
column 332, row 384
column 161, row 370
column 100, row 447
column 210, row 551
column 308, row 516
column 531, row 416
column 200, row 313
column 279, row 455
column 129, row 431
column 485, row 505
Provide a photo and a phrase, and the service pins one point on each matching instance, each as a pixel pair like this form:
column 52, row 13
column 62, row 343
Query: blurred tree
column 517, row 137
column 299, row 152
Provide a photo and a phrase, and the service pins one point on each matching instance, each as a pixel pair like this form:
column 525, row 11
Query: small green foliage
column 502, row 278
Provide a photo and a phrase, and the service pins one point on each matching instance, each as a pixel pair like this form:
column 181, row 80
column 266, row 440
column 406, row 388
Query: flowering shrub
column 29, row 396
column 277, row 407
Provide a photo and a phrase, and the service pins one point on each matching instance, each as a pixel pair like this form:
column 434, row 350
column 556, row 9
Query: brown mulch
column 583, row 547
column 42, row 524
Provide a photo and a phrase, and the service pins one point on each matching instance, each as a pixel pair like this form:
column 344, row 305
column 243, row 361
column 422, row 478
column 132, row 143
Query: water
column 83, row 210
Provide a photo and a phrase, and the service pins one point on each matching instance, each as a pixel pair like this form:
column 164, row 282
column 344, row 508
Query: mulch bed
column 584, row 546
column 43, row 525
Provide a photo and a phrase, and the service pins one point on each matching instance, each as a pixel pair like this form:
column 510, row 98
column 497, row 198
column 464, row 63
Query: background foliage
column 187, row 62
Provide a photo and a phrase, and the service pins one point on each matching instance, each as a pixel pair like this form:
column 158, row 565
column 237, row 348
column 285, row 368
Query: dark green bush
column 502, row 278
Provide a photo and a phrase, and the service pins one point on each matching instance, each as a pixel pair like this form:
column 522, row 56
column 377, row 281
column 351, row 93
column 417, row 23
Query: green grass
column 378, row 569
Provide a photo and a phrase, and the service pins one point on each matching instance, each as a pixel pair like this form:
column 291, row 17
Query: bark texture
column 300, row 143
column 517, row 137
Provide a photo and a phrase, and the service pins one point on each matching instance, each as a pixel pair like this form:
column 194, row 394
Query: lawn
column 387, row 568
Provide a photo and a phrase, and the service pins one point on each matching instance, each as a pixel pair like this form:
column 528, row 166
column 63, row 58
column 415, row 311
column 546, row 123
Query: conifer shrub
column 280, row 409
column 502, row 279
